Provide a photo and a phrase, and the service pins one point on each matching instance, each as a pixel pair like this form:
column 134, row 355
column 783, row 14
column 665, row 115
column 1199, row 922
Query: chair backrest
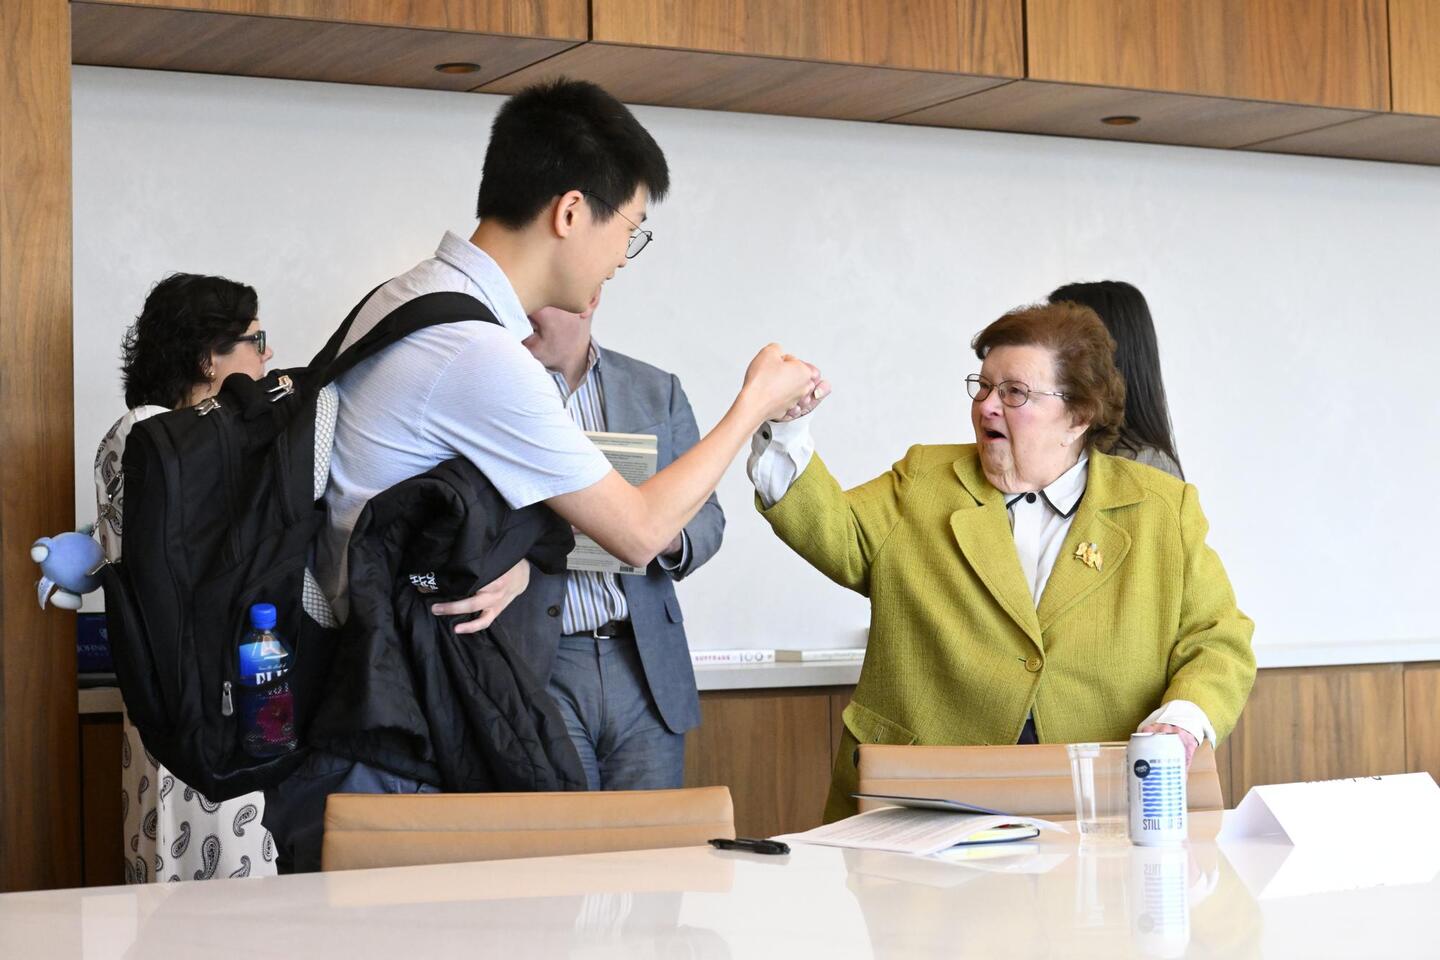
column 1029, row 780
column 389, row 830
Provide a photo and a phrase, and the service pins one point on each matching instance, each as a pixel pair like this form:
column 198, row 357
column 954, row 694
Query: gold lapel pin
column 1089, row 554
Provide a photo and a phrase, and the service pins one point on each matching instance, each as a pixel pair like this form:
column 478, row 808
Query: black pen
column 748, row 843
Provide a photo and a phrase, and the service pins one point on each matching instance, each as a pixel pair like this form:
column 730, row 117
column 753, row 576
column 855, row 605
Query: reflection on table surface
column 1057, row 897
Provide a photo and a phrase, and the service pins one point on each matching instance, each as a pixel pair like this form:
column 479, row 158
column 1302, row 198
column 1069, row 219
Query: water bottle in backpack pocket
column 267, row 704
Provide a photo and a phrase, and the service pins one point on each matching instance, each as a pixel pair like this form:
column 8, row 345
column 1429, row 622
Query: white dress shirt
column 1040, row 521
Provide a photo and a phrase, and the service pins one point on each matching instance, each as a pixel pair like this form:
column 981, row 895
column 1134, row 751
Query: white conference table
column 1057, row 898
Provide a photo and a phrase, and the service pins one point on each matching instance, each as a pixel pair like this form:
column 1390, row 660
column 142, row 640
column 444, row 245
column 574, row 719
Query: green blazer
column 958, row 651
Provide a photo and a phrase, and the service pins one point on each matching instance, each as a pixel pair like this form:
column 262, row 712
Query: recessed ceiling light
column 457, row 67
column 1120, row 120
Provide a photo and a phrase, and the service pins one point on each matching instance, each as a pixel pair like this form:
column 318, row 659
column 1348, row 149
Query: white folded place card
column 1365, row 810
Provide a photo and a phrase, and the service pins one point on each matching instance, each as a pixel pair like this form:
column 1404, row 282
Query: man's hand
column 489, row 601
column 778, row 382
column 1191, row 744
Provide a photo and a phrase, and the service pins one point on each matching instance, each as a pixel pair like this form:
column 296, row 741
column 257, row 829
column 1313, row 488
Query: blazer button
column 553, row 611
column 1034, row 664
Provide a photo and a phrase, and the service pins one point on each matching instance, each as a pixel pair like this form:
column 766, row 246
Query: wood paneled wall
column 102, row 822
column 1330, row 53
column 39, row 766
column 1320, row 723
column 952, row 36
column 1415, row 56
column 772, row 749
column 1422, row 718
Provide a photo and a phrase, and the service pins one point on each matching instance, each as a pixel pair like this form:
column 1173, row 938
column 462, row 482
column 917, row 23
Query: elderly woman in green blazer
column 1027, row 587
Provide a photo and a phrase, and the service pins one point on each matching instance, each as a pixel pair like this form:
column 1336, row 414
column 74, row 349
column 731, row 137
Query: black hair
column 186, row 318
column 566, row 135
column 1123, row 310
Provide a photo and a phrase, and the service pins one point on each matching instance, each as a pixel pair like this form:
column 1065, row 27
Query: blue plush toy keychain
column 70, row 565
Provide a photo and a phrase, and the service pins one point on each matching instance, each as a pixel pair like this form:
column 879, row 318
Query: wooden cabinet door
column 1422, row 718
column 771, row 748
column 1332, row 53
column 102, row 818
column 1415, row 56
column 1320, row 723
column 953, row 36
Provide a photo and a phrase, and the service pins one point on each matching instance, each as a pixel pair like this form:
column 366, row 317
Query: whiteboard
column 1294, row 298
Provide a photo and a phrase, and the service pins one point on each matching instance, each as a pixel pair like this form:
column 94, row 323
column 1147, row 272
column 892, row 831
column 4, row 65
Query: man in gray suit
column 613, row 646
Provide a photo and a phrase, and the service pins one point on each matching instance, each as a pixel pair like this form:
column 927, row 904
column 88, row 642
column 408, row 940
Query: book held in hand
column 633, row 456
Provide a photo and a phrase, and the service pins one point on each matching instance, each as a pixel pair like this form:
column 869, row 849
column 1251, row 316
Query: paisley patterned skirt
column 173, row 833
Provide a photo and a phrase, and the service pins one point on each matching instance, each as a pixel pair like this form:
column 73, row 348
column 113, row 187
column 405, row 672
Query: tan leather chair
column 1031, row 780
column 388, row 830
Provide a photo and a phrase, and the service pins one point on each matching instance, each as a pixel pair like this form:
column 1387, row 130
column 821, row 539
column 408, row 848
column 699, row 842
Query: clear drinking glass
column 1097, row 774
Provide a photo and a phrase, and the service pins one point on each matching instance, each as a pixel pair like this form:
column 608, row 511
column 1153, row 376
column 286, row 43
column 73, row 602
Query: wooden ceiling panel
column 1395, row 137
column 1074, row 110
column 151, row 38
column 707, row 81
column 543, row 19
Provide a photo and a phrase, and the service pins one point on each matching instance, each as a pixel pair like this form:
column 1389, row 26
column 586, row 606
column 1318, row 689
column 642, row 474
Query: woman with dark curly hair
column 1027, row 587
column 193, row 332
column 188, row 339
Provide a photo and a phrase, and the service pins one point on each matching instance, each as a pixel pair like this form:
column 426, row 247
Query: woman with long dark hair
column 1146, row 435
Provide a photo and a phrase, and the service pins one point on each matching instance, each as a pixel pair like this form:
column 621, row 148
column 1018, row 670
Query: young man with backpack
column 567, row 178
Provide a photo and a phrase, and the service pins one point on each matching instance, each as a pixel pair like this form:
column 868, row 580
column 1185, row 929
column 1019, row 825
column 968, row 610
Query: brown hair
column 1084, row 361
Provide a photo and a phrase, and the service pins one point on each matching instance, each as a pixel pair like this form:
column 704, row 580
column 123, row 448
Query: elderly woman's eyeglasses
column 1013, row 393
column 638, row 239
column 257, row 338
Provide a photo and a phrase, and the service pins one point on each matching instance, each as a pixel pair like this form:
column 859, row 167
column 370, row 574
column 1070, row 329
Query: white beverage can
column 1155, row 772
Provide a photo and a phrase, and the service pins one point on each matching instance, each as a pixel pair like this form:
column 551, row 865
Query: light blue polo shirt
column 462, row 389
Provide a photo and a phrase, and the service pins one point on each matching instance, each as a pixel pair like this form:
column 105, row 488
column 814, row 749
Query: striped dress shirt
column 591, row 598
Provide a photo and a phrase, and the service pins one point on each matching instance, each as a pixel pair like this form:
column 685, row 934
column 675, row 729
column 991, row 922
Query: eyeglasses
column 257, row 338
column 638, row 240
column 1013, row 393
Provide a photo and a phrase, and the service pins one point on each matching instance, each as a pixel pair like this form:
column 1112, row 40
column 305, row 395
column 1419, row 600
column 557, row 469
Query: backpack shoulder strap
column 424, row 311
column 327, row 353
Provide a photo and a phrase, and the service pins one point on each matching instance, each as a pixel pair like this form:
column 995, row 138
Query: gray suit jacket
column 639, row 398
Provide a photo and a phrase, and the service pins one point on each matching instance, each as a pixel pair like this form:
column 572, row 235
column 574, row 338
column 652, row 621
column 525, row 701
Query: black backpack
column 220, row 512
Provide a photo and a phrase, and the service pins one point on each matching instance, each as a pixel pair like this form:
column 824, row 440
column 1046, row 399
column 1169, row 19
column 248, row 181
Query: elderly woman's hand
column 819, row 390
column 1186, row 737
